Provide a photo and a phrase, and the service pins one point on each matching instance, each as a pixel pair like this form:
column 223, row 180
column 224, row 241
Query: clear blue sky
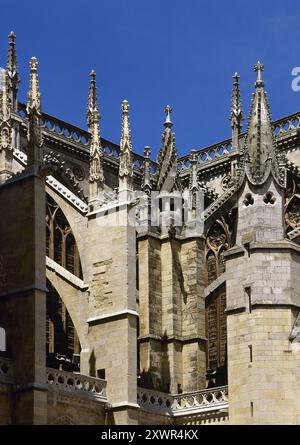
column 153, row 53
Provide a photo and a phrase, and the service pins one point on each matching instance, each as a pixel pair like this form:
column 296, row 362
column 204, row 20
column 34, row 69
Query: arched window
column 58, row 246
column 61, row 245
column 216, row 333
column 71, row 260
column 218, row 240
column 47, row 240
column 62, row 343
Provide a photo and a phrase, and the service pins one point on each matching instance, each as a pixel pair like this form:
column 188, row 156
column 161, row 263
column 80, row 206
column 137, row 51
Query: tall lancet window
column 61, row 245
column 62, row 343
column 218, row 240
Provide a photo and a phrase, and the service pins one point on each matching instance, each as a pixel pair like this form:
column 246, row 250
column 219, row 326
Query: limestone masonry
column 142, row 292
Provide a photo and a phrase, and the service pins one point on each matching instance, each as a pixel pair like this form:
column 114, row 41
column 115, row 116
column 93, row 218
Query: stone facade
column 143, row 292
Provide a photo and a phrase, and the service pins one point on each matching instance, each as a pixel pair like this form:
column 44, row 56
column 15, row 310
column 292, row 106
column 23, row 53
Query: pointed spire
column 193, row 171
column 6, row 150
column 260, row 146
column 167, row 157
column 146, row 183
column 4, row 105
column 126, row 163
column 236, row 115
column 96, row 175
column 12, row 71
column 34, row 96
column 93, row 108
column 34, row 113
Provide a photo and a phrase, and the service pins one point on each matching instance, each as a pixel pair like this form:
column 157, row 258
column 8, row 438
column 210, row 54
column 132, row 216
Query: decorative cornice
column 112, row 316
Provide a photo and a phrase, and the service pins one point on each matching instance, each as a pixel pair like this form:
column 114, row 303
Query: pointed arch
column 61, row 245
column 78, row 224
column 62, row 341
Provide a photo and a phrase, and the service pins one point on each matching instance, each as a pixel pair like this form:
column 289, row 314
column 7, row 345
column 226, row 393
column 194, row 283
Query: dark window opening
column 250, row 353
column 60, row 242
column 62, row 343
column 249, row 302
column 101, row 374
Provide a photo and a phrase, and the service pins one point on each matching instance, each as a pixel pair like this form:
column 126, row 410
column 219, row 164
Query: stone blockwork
column 6, row 405
column 23, row 290
column 64, row 409
column 264, row 387
column 112, row 317
column 263, row 288
column 156, row 314
column 172, row 313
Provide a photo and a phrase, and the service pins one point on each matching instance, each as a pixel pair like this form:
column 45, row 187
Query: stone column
column 112, row 337
column 23, row 290
column 171, row 313
column 193, row 314
column 263, row 288
column 150, row 312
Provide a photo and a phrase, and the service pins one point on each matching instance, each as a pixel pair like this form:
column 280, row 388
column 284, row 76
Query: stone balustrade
column 204, row 400
column 70, row 133
column 183, row 404
column 76, row 383
column 281, row 127
column 156, row 401
column 221, row 150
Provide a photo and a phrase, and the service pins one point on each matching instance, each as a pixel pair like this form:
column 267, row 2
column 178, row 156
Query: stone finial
column 6, row 148
column 167, row 157
column 96, row 174
column 259, row 67
column 34, row 96
column 126, row 163
column 193, row 171
column 260, row 147
column 34, row 113
column 146, row 182
column 168, row 111
column 125, row 144
column 236, row 115
column 93, row 113
column 12, row 71
column 4, row 95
